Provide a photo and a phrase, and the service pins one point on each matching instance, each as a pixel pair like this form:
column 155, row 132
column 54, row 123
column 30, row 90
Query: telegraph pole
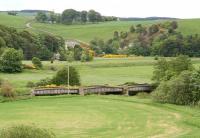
column 68, row 78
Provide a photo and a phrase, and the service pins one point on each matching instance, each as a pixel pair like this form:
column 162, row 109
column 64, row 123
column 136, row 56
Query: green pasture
column 88, row 31
column 99, row 71
column 18, row 22
column 103, row 116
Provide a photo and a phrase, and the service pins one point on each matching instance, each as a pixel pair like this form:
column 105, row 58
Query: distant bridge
column 123, row 90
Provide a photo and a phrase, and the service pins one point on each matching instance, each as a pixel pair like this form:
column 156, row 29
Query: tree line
column 43, row 46
column 158, row 39
column 71, row 16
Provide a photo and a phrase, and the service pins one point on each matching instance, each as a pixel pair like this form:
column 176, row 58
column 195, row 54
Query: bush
column 183, row 89
column 7, row 90
column 156, row 58
column 25, row 66
column 62, row 77
column 22, row 91
column 1, row 81
column 44, row 82
column 52, row 68
column 22, row 131
column 11, row 61
column 30, row 84
column 165, row 70
column 36, row 62
column 143, row 95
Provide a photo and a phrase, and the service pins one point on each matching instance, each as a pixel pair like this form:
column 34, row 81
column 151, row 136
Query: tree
column 13, row 13
column 2, row 43
column 174, row 25
column 53, row 17
column 165, row 70
column 41, row 17
column 97, row 45
column 116, row 35
column 182, row 89
column 77, row 52
column 83, row 15
column 132, row 29
column 61, row 77
column 86, row 56
column 36, row 62
column 94, row 16
column 11, row 61
column 68, row 16
column 153, row 29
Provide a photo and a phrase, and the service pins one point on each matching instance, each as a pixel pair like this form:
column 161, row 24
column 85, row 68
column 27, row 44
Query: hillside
column 105, row 30
column 189, row 26
column 14, row 21
column 87, row 32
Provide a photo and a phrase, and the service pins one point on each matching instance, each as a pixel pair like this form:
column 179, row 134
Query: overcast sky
column 120, row 8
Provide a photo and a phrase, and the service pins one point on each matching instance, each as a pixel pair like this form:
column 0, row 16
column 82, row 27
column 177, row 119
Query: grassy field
column 103, row 116
column 189, row 26
column 105, row 30
column 14, row 21
column 99, row 71
column 89, row 31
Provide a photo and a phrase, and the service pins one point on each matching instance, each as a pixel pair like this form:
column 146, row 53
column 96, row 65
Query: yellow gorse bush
column 114, row 56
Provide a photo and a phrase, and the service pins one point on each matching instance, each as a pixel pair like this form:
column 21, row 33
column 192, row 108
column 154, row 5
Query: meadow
column 105, row 30
column 89, row 31
column 98, row 72
column 103, row 116
column 18, row 22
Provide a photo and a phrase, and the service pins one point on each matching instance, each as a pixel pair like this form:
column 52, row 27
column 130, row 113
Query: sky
column 119, row 8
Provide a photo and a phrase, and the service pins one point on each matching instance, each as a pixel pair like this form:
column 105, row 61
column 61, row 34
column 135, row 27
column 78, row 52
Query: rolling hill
column 18, row 22
column 89, row 31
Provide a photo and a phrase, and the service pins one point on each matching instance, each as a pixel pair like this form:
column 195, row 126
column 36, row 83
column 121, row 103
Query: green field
column 89, row 31
column 103, row 117
column 18, row 22
column 105, row 30
column 99, row 71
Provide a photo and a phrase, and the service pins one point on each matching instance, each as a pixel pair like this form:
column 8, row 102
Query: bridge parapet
column 104, row 89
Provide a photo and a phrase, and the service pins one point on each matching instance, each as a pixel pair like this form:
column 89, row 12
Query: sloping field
column 103, row 116
column 18, row 22
column 189, row 26
column 89, row 31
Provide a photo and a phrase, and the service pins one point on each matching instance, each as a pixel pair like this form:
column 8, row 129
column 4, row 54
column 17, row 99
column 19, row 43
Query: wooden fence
column 126, row 90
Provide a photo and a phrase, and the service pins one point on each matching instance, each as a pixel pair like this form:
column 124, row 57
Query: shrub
column 11, row 61
column 1, row 81
column 143, row 95
column 165, row 70
column 22, row 131
column 62, row 77
column 44, row 82
column 36, row 62
column 183, row 89
column 22, row 92
column 25, row 66
column 30, row 84
column 52, row 68
column 156, row 58
column 7, row 90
